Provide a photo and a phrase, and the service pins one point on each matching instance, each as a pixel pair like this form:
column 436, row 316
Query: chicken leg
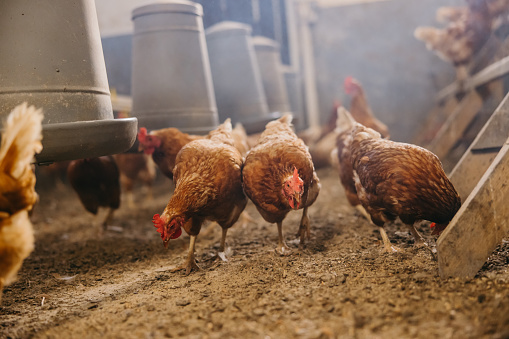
column 387, row 244
column 418, row 239
column 222, row 253
column 130, row 199
column 305, row 227
column 363, row 211
column 282, row 248
column 190, row 262
column 108, row 219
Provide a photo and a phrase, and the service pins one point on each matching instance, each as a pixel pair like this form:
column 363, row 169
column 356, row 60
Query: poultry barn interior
column 137, row 95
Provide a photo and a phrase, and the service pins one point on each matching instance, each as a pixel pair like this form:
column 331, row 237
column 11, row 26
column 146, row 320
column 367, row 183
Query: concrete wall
column 374, row 43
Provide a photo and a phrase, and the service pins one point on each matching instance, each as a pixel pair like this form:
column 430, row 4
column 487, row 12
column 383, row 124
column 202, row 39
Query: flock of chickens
column 216, row 174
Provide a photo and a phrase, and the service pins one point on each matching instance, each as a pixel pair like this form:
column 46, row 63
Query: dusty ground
column 78, row 284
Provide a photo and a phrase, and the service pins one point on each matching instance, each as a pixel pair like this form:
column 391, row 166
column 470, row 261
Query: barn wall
column 374, row 43
column 116, row 29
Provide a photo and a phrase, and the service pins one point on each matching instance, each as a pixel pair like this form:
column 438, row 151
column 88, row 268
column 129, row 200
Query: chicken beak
column 296, row 201
column 166, row 242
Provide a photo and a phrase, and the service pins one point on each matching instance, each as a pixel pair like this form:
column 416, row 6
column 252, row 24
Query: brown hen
column 394, row 179
column 278, row 176
column 208, row 186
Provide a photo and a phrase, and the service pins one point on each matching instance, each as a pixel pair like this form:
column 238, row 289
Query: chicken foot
column 388, row 247
column 190, row 262
column 282, row 248
column 305, row 227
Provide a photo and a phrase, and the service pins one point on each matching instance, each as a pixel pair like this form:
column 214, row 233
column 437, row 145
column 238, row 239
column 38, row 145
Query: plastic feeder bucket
column 269, row 62
column 51, row 57
column 171, row 79
column 236, row 75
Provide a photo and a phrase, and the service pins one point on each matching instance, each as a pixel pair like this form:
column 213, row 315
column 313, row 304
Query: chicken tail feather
column 21, row 138
column 223, row 133
column 286, row 119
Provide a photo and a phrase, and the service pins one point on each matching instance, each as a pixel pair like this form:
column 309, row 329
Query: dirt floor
column 81, row 284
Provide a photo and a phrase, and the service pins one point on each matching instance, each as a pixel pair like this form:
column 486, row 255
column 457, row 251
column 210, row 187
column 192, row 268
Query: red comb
column 432, row 225
column 159, row 223
column 296, row 181
column 142, row 134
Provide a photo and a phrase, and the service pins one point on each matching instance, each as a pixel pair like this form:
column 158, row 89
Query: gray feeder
column 294, row 96
column 236, row 75
column 51, row 57
column 269, row 61
column 171, row 80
